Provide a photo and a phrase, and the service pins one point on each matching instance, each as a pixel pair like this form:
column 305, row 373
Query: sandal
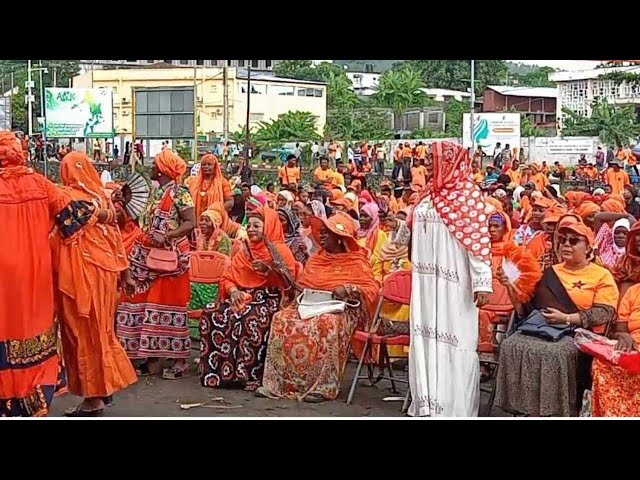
column 263, row 392
column 175, row 373
column 143, row 370
column 314, row 398
column 79, row 412
column 108, row 401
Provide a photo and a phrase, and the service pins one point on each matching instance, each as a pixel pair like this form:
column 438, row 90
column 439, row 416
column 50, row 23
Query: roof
column 268, row 77
column 544, row 92
column 589, row 74
column 445, row 92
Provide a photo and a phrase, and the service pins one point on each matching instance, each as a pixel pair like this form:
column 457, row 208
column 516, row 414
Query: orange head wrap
column 495, row 203
column 613, row 206
column 171, row 165
column 554, row 214
column 575, row 198
column 586, row 209
column 11, row 154
column 77, row 172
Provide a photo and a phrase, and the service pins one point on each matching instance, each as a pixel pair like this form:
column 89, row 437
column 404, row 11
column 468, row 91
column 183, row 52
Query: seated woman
column 616, row 392
column 292, row 236
column 233, row 229
column 541, row 378
column 209, row 238
column 370, row 235
column 611, row 242
column 235, row 331
column 306, row 359
column 626, row 271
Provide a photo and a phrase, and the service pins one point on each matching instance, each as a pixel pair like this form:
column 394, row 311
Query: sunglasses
column 573, row 240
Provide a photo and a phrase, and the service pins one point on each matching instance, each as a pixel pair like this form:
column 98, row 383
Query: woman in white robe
column 451, row 280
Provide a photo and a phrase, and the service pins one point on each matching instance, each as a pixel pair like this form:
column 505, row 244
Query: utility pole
column 248, row 134
column 225, row 105
column 55, row 77
column 195, row 113
column 473, row 104
column 29, row 100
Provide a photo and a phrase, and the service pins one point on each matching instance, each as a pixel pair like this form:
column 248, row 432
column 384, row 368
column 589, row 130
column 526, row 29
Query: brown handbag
column 162, row 261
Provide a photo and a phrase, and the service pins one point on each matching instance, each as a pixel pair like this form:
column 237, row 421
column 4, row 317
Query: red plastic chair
column 395, row 289
column 207, row 267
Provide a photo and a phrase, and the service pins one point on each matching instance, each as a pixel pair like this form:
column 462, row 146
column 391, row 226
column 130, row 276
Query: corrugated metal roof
column 445, row 92
column 266, row 77
column 589, row 74
column 543, row 92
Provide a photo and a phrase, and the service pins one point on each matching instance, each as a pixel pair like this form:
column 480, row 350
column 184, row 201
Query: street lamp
column 30, row 97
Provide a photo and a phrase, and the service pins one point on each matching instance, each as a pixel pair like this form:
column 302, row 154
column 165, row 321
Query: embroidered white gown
column 444, row 374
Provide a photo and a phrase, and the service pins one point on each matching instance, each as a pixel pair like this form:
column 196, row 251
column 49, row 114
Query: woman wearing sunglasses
column 543, row 378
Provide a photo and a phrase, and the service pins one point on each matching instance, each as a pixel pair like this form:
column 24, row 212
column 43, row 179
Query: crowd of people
column 92, row 298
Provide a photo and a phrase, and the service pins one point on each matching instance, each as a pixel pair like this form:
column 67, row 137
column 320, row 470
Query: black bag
column 535, row 325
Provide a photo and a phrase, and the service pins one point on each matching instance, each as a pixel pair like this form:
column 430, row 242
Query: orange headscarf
column 217, row 191
column 586, row 209
column 11, row 154
column 242, row 274
column 326, row 271
column 498, row 247
column 100, row 245
column 575, row 198
column 228, row 226
column 613, row 206
column 216, row 220
column 627, row 268
column 171, row 165
column 495, row 203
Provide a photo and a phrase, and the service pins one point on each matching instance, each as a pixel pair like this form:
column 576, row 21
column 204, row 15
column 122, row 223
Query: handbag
column 312, row 303
column 535, row 325
column 162, row 261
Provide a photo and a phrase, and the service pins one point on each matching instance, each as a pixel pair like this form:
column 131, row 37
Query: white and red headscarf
column 459, row 200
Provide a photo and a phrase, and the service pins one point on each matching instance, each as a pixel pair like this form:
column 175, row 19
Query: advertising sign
column 491, row 128
column 78, row 113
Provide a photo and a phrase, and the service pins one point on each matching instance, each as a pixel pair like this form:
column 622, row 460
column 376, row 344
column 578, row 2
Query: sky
column 562, row 64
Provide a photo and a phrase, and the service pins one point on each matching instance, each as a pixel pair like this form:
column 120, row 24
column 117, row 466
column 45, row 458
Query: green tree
column 454, row 113
column 612, row 123
column 529, row 129
column 358, row 124
column 456, row 74
column 63, row 70
column 537, row 78
column 288, row 127
column 401, row 89
column 426, row 133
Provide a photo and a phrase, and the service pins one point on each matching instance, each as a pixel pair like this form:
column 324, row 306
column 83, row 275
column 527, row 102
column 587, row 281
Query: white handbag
column 312, row 303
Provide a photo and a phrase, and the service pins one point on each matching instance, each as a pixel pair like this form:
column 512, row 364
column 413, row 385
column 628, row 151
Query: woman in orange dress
column 90, row 258
column 532, row 233
column 153, row 292
column 616, row 392
column 306, row 359
column 28, row 204
column 235, row 331
column 233, row 229
column 210, row 186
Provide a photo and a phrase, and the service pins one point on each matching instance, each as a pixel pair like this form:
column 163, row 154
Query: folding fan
column 136, row 195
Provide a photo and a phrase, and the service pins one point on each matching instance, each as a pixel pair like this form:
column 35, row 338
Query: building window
column 256, row 88
column 281, row 90
column 168, row 61
column 151, row 61
column 317, row 92
column 256, row 117
column 255, row 63
column 229, row 63
column 214, row 63
column 241, row 63
column 268, row 63
column 184, row 62
column 199, row 62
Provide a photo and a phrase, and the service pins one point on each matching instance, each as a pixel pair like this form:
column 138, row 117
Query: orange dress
column 90, row 257
column 204, row 193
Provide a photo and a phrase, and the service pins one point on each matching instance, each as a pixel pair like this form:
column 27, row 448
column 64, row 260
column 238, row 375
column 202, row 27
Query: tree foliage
column 339, row 88
column 536, row 78
column 359, row 124
column 456, row 74
column 454, row 113
column 64, row 70
column 288, row 127
column 612, row 123
column 401, row 89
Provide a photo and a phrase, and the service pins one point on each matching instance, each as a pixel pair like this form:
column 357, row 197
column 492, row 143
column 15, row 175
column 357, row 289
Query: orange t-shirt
column 398, row 153
column 588, row 286
column 289, row 175
column 617, row 180
column 541, row 181
column 366, row 168
column 406, row 152
column 629, row 309
column 325, row 176
column 421, row 152
column 478, row 177
column 337, row 179
column 515, row 176
column 419, row 176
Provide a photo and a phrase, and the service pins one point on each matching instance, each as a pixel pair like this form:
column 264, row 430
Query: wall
column 496, row 102
column 538, row 149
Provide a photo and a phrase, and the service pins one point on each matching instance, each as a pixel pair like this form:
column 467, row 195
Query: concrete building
column 443, row 95
column 536, row 103
column 364, row 83
column 255, row 64
column 270, row 95
column 578, row 89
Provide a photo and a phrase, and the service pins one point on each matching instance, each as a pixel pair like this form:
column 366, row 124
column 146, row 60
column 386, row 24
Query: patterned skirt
column 202, row 294
column 153, row 323
column 233, row 346
column 616, row 392
column 308, row 356
column 538, row 378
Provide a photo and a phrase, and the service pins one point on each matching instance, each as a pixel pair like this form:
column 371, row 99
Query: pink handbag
column 162, row 261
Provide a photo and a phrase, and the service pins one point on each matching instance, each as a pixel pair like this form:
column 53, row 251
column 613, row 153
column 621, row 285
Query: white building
column 444, row 94
column 364, row 83
column 578, row 89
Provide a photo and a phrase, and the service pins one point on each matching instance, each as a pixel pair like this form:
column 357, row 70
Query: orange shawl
column 228, row 226
column 204, row 194
column 171, row 165
column 100, row 245
column 327, row 271
column 242, row 275
column 574, row 199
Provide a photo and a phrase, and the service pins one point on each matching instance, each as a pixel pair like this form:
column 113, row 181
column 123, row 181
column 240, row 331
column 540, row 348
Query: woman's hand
column 236, row 297
column 158, row 239
column 502, row 277
column 116, row 197
column 481, row 298
column 555, row 316
column 340, row 293
column 261, row 267
column 626, row 343
column 128, row 282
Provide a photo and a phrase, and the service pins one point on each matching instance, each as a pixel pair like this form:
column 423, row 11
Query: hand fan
column 136, row 195
column 522, row 270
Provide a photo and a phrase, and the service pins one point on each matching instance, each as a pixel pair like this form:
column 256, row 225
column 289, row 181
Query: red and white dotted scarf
column 459, row 200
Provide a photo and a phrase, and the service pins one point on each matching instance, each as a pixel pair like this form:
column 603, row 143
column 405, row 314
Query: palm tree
column 401, row 89
column 612, row 123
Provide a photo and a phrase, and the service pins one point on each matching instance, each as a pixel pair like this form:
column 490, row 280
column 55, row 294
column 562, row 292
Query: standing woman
column 451, row 280
column 235, row 332
column 152, row 319
column 210, row 186
column 90, row 258
column 370, row 235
